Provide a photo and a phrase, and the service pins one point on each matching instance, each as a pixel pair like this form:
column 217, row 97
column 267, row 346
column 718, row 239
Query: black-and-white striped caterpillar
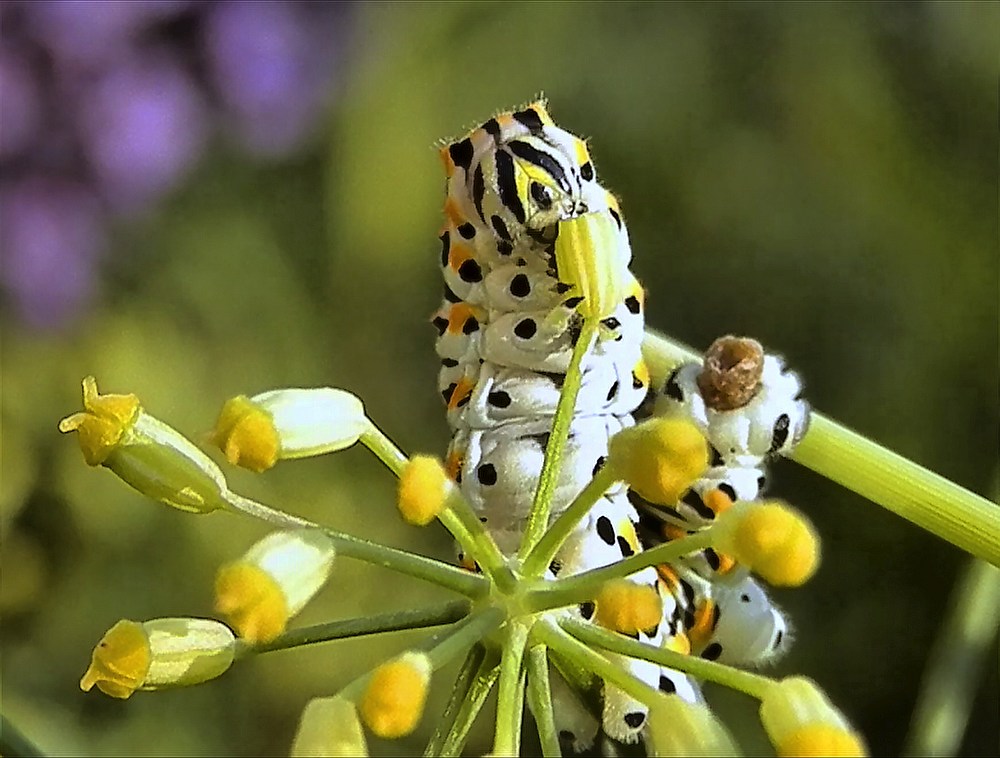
column 531, row 246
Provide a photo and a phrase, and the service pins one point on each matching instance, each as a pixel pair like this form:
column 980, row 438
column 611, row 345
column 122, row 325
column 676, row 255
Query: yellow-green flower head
column 329, row 726
column 273, row 581
column 423, row 490
column 659, row 458
column 114, row 431
column 801, row 721
column 257, row 432
column 170, row 652
column 772, row 539
column 394, row 699
column 626, row 607
column 679, row 728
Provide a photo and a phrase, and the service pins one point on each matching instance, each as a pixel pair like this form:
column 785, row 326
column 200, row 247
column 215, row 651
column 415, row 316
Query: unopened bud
column 157, row 460
column 771, row 539
column 423, row 490
column 801, row 721
column 329, row 727
column 626, row 607
column 169, row 652
column 273, row 581
column 659, row 458
column 282, row 424
column 679, row 728
column 394, row 700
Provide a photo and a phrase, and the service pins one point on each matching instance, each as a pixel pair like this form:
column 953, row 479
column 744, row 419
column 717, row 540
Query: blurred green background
column 819, row 176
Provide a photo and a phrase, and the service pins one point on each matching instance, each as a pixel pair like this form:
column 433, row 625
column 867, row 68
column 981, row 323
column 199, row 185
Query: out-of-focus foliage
column 819, row 176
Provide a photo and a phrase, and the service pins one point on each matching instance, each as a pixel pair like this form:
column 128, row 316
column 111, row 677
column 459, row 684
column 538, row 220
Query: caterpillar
column 532, row 246
column 748, row 405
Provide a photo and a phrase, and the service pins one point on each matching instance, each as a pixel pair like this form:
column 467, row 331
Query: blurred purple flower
column 143, row 126
column 21, row 109
column 107, row 105
column 51, row 234
column 86, row 34
column 271, row 64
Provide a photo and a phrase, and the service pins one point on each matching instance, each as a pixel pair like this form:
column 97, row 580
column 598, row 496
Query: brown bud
column 731, row 375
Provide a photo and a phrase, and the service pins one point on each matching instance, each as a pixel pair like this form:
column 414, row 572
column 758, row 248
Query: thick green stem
column 547, row 631
column 541, row 507
column 751, row 684
column 540, row 701
column 542, row 554
column 459, row 694
column 956, row 665
column 928, row 500
column 508, row 724
column 418, row 618
column 580, row 587
column 451, row 577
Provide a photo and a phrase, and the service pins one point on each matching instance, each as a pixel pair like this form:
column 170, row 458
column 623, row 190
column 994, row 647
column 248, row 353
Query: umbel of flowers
column 510, row 622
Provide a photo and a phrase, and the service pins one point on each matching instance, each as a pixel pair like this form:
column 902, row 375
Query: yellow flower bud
column 170, row 652
column 801, row 721
column 679, row 728
column 626, row 607
column 771, row 539
column 290, row 423
column 158, row 461
column 393, row 701
column 423, row 490
column 273, row 581
column 660, row 458
column 329, row 726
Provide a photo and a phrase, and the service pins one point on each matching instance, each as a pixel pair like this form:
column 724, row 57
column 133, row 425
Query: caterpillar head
column 522, row 174
column 535, row 181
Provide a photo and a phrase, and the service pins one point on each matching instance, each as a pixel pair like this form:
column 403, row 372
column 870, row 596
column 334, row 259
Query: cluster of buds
column 507, row 601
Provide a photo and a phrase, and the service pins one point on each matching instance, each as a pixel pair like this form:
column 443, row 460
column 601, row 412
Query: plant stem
column 482, row 685
column 548, row 545
column 540, row 701
column 508, row 724
column 384, row 448
column 541, row 506
column 459, row 694
column 395, row 621
column 930, row 501
column 956, row 664
column 457, row 517
column 548, row 632
column 580, row 587
column 751, row 684
column 451, row 577
column 441, row 648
